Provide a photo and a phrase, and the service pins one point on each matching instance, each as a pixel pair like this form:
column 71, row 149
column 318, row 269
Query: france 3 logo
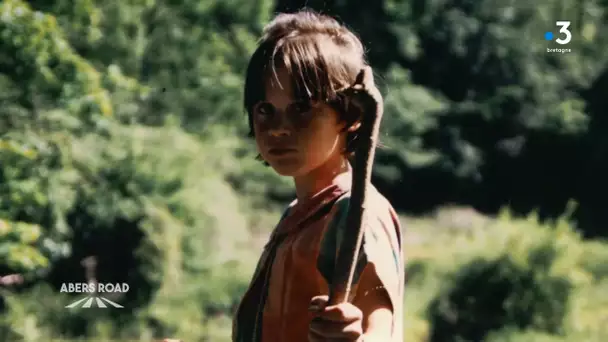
column 562, row 37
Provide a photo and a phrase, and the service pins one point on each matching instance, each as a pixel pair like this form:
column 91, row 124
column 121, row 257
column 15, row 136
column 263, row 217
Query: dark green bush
column 487, row 295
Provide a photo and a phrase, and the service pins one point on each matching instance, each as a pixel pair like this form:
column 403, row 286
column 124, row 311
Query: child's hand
column 342, row 322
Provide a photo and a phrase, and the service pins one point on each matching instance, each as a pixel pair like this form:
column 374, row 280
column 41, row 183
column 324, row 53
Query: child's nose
column 280, row 126
column 280, row 132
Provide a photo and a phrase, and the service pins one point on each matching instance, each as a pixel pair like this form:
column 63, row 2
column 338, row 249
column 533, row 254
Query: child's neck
column 316, row 180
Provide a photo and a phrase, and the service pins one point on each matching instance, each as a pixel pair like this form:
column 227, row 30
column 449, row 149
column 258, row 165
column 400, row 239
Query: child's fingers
column 318, row 303
column 344, row 313
column 324, row 330
column 342, row 322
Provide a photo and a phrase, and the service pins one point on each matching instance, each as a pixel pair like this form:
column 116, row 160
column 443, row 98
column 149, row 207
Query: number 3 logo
column 564, row 29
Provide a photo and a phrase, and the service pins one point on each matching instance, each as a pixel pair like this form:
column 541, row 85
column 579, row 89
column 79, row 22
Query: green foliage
column 19, row 248
column 489, row 295
column 505, row 277
column 410, row 112
column 49, row 71
column 82, row 178
column 122, row 136
column 526, row 336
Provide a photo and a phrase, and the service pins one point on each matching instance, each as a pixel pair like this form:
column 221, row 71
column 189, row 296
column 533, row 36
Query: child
column 305, row 128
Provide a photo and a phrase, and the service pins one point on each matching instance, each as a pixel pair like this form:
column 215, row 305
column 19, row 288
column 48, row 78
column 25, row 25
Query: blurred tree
column 79, row 173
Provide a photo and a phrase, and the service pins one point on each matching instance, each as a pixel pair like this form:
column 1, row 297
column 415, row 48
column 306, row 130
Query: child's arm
column 374, row 309
column 368, row 318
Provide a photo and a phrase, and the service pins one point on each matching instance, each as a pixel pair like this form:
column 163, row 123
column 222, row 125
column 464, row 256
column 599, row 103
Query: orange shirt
column 297, row 264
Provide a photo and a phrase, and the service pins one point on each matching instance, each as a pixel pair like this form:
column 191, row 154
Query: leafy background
column 123, row 138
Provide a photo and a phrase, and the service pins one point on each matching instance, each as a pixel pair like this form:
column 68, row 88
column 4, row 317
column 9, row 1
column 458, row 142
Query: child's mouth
column 281, row 151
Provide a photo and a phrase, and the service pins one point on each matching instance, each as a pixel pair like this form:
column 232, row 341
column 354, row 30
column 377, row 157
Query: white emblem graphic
column 96, row 294
column 93, row 301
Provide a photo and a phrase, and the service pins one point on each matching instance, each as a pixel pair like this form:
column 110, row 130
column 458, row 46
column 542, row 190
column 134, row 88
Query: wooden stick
column 368, row 97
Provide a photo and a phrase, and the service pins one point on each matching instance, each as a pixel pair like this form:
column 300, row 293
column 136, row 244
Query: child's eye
column 300, row 108
column 264, row 110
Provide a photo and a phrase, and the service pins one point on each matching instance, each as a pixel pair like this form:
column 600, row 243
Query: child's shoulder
column 382, row 225
column 378, row 208
column 329, row 212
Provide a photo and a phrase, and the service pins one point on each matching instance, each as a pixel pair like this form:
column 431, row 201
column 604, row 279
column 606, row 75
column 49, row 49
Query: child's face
column 295, row 137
